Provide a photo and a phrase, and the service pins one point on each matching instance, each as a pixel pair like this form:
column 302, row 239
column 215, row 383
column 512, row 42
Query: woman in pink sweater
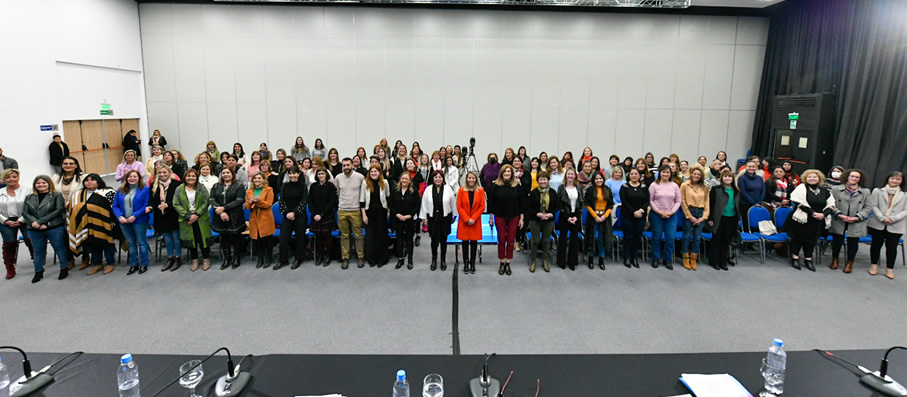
column 664, row 198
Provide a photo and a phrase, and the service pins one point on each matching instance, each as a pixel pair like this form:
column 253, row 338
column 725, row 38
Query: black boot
column 501, row 269
column 260, row 262
column 636, row 262
column 443, row 263
column 399, row 263
column 266, row 262
column 64, row 272
column 269, row 257
column 601, row 263
column 409, row 261
column 590, row 263
column 669, row 265
column 472, row 266
column 169, row 264
column 236, row 260
column 655, row 263
column 507, row 269
column 38, row 277
column 809, row 264
column 228, row 259
column 177, row 264
column 627, row 262
column 795, row 262
column 434, row 262
column 296, row 264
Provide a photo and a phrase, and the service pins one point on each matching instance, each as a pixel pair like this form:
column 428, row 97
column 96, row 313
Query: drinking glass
column 190, row 379
column 774, row 380
column 433, row 386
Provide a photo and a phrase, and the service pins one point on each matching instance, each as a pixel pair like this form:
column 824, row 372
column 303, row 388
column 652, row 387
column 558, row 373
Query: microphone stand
column 230, row 384
column 881, row 382
column 485, row 385
column 30, row 382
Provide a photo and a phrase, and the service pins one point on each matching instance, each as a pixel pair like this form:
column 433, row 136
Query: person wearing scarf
column 778, row 189
column 543, row 204
column 814, row 207
column 166, row 218
column 92, row 225
column 131, row 209
column 888, row 222
column 852, row 208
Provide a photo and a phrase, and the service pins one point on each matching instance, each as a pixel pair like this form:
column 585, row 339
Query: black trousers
column 199, row 243
column 633, row 228
column 837, row 241
column 231, row 243
column 287, row 229
column 263, row 245
column 376, row 236
column 438, row 231
column 721, row 242
column 889, row 240
column 568, row 242
column 470, row 251
column 808, row 247
column 405, row 231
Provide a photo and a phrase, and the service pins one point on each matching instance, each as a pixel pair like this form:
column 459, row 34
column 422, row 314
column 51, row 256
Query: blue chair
column 758, row 214
column 750, row 238
column 278, row 219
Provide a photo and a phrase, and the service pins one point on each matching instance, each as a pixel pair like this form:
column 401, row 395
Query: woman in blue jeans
column 694, row 196
column 43, row 215
column 131, row 209
column 664, row 198
column 166, row 219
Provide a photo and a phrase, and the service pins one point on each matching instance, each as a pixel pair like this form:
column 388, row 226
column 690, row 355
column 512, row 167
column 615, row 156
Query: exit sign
column 105, row 106
column 793, row 116
column 106, row 112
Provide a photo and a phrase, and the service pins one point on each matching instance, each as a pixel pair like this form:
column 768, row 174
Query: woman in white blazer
column 888, row 222
column 439, row 203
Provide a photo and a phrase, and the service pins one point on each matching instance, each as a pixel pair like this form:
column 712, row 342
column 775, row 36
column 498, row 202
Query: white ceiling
column 735, row 3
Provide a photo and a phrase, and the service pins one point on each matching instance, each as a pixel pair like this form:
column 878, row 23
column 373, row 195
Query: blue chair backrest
column 247, row 214
column 756, row 215
column 583, row 217
column 679, row 217
column 557, row 215
column 617, row 214
column 278, row 217
column 151, row 219
column 781, row 215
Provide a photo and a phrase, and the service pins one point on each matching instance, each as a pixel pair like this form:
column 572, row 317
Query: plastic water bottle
column 776, row 361
column 401, row 386
column 4, row 380
column 128, row 377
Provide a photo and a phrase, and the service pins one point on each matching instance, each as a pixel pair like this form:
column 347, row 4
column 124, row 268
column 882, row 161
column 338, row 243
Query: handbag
column 767, row 228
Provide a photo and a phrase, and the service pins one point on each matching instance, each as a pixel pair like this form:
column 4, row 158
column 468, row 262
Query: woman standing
column 333, row 162
column 292, row 204
column 254, row 163
column 724, row 213
column 888, row 223
column 157, row 139
column 300, row 151
column 684, row 173
column 92, row 224
column 570, row 218
column 322, row 202
column 543, row 204
column 490, row 170
column 506, row 203
column 852, row 207
column 68, row 183
column 664, row 198
column 213, row 153
column 722, row 157
column 129, row 164
column 585, row 175
column 157, row 154
column 470, row 206
column 43, row 214
column 599, row 200
column 227, row 198
column 166, row 219
column 278, row 164
column 436, row 212
column 399, row 163
column 814, row 207
column 274, row 180
column 534, row 169
column 555, row 174
column 645, row 173
column 130, row 206
column 452, row 174
column 627, row 165
column 373, row 197
column 834, row 176
column 778, row 189
column 319, row 149
column 694, row 200
column 259, row 199
column 404, row 204
column 12, row 203
column 615, row 183
column 384, row 162
column 241, row 158
column 206, row 177
column 201, row 159
column 543, row 161
column 752, row 191
column 265, row 153
column 132, row 142
column 180, row 165
column 634, row 198
column 191, row 204
column 792, row 176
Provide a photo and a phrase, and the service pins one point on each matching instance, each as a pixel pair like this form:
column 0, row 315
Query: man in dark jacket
column 58, row 150
column 132, row 142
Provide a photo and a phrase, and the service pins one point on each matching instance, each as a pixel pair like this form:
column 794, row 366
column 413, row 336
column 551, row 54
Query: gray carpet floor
column 388, row 311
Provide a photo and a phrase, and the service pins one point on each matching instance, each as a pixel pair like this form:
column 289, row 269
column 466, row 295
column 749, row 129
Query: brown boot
column 194, row 265
column 693, row 259
column 95, row 269
column 71, row 264
column 85, row 262
column 834, row 264
column 848, row 267
column 686, row 261
column 206, row 264
column 10, row 252
column 108, row 269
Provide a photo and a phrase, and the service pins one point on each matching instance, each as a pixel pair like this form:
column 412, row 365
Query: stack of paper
column 714, row 385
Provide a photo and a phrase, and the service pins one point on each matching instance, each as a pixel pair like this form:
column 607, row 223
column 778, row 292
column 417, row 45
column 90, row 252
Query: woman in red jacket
column 470, row 206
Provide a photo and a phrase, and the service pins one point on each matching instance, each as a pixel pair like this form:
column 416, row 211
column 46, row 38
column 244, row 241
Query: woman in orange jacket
column 259, row 199
column 470, row 206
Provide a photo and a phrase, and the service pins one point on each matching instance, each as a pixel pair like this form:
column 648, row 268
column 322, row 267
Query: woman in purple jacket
column 664, row 198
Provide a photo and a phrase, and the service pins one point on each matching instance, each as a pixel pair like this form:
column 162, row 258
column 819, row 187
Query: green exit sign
column 793, row 116
column 107, row 113
column 105, row 106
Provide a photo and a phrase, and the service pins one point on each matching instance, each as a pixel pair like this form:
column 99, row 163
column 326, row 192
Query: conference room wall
column 554, row 81
column 61, row 59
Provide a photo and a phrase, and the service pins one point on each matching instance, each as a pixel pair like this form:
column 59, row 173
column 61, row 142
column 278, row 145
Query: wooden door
column 72, row 135
column 113, row 134
column 131, row 124
column 95, row 153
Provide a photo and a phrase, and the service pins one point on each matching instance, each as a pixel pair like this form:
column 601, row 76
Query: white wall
column 554, row 81
column 61, row 59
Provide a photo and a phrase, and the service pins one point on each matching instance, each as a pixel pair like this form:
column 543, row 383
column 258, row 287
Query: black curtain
column 856, row 49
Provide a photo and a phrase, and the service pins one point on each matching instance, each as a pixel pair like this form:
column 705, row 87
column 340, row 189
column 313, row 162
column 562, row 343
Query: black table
column 808, row 373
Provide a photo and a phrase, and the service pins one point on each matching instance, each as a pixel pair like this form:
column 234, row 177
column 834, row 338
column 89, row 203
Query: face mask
column 493, row 160
column 836, row 175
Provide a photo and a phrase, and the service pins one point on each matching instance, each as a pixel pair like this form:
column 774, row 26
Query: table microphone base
column 25, row 387
column 887, row 386
column 232, row 388
column 475, row 386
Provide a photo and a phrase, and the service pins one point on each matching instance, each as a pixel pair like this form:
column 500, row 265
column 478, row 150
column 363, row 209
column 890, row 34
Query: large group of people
column 580, row 204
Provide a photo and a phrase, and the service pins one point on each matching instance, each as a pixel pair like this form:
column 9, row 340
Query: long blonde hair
column 513, row 180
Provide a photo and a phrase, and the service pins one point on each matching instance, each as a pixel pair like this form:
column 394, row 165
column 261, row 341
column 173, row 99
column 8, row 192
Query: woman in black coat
column 569, row 220
column 132, row 142
column 227, row 198
column 724, row 213
column 814, row 208
column 293, row 197
column 322, row 204
column 166, row 219
column 405, row 204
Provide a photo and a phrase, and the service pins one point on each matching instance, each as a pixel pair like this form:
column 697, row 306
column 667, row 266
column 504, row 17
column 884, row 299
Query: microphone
column 879, row 380
column 231, row 384
column 30, row 382
column 485, row 385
